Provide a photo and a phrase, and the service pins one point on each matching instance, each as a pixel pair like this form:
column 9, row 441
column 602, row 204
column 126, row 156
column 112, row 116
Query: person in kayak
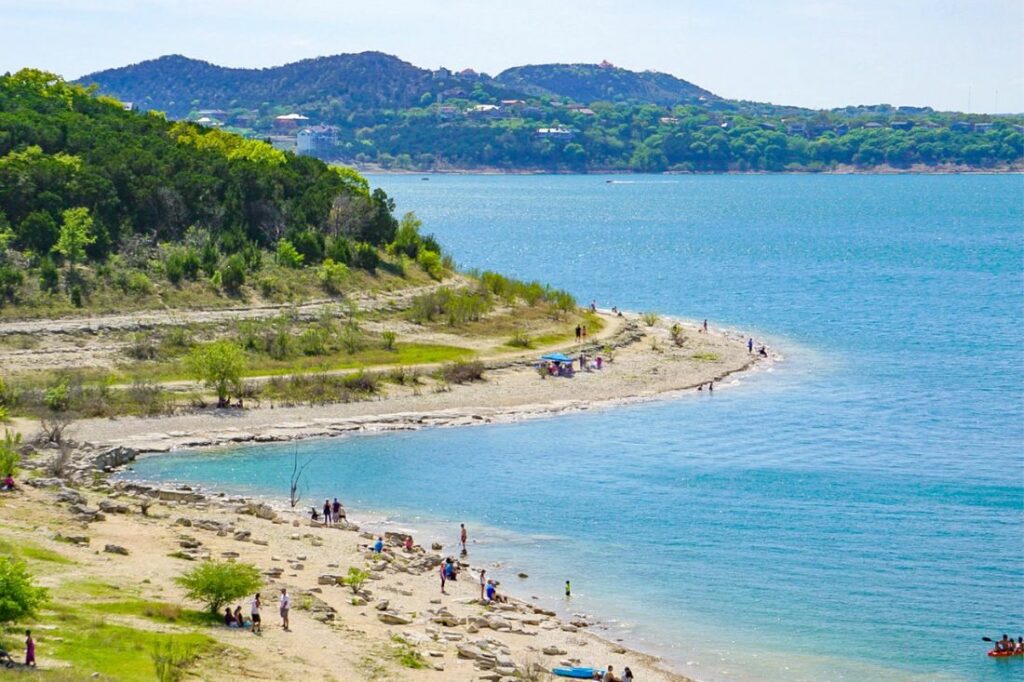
column 1005, row 644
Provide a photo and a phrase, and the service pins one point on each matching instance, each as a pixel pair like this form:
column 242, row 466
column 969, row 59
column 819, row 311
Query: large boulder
column 393, row 618
column 114, row 457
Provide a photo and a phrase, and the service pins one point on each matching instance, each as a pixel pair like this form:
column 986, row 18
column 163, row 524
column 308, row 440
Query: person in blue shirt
column 378, row 546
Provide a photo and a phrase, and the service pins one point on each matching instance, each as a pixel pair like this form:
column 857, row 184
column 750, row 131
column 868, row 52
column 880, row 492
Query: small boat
column 996, row 653
column 578, row 673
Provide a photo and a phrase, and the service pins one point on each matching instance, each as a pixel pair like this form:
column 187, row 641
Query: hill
column 376, row 111
column 594, row 82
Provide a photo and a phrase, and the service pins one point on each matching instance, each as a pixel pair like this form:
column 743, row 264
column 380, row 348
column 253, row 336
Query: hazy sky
column 816, row 53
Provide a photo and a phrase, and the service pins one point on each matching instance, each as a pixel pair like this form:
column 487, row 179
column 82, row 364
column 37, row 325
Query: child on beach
column 483, row 584
column 444, row 576
column 30, row 649
column 8, row 483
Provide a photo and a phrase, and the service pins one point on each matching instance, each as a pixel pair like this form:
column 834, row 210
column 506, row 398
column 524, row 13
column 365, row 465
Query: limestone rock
column 392, row 618
column 115, row 549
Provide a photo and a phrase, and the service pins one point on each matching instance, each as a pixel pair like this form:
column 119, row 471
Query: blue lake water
column 857, row 513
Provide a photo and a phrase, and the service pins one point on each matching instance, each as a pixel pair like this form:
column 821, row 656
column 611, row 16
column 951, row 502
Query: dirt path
column 148, row 319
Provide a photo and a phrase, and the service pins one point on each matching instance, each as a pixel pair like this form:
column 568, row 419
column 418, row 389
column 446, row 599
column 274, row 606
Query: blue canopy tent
column 556, row 357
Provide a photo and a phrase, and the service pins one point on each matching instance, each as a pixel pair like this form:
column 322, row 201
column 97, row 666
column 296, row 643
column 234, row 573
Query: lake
column 855, row 513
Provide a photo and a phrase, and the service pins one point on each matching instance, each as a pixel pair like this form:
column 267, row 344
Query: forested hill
column 602, row 82
column 376, row 111
column 101, row 207
column 341, row 83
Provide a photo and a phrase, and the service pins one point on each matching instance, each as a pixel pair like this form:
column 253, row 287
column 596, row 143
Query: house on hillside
column 128, row 106
column 669, row 120
column 556, row 133
column 218, row 114
column 961, row 126
column 319, row 138
column 982, row 127
column 872, row 125
column 208, row 122
column 447, row 113
column 290, row 121
column 901, row 125
column 513, row 103
column 485, row 111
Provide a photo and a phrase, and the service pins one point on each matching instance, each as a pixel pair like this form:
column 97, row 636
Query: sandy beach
column 337, row 635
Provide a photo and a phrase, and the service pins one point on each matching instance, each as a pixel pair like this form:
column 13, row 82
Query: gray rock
column 392, row 618
column 115, row 549
column 113, row 507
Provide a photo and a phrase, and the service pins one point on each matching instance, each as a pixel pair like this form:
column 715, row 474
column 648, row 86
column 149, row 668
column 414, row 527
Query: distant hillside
column 178, row 85
column 374, row 110
column 592, row 82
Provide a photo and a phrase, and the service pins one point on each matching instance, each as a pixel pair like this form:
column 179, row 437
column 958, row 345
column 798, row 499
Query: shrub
column 75, row 294
column 181, row 263
column 365, row 257
column 10, row 280
column 388, row 337
column 310, row 245
column 58, row 397
column 355, row 579
column 650, row 319
column 138, row 283
column 351, row 339
column 462, row 372
column 288, row 256
column 217, row 583
column 232, row 274
column 430, row 261
column 273, row 287
column 142, row 347
column 20, row 597
column 313, row 341
column 49, row 277
column 361, row 382
column 332, row 276
column 9, row 455
column 339, row 250
column 519, row 339
column 219, row 365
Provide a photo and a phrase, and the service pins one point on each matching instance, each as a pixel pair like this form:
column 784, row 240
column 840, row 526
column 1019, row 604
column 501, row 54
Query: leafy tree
column 430, row 261
column 76, row 233
column 407, row 239
column 232, row 275
column 20, row 597
column 365, row 257
column 219, row 365
column 288, row 256
column 332, row 276
column 218, row 583
column 9, row 455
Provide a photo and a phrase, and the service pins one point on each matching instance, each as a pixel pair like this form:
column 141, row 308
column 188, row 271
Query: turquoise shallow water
column 857, row 513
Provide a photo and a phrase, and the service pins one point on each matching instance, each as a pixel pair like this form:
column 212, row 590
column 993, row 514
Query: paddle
column 987, row 639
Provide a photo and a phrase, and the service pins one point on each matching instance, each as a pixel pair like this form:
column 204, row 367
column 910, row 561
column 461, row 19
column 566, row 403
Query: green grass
column 120, row 652
column 706, row 356
column 406, row 655
column 161, row 612
column 31, row 552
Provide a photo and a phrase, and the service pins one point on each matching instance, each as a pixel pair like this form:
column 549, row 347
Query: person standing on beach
column 444, row 576
column 579, row 332
column 327, row 512
column 483, row 583
column 254, row 611
column 568, row 589
column 336, row 510
column 285, row 605
column 750, row 345
column 705, row 326
column 30, row 649
column 584, row 330
column 463, row 535
column 711, row 387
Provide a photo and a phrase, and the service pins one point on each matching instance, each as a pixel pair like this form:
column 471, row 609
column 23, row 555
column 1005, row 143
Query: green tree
column 218, row 583
column 355, row 579
column 9, row 455
column 232, row 275
column 20, row 597
column 407, row 239
column 76, row 233
column 288, row 255
column 219, row 365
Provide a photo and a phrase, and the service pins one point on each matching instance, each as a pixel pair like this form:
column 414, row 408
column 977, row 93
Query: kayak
column 995, row 653
column 578, row 673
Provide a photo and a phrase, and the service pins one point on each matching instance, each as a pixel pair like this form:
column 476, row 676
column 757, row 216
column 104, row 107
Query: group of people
column 581, row 332
column 762, row 351
column 332, row 512
column 1007, row 645
column 235, row 619
column 609, row 675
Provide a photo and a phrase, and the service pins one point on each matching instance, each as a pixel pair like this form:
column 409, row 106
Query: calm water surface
column 857, row 513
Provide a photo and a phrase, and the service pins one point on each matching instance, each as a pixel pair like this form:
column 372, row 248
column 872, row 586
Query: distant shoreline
column 839, row 170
